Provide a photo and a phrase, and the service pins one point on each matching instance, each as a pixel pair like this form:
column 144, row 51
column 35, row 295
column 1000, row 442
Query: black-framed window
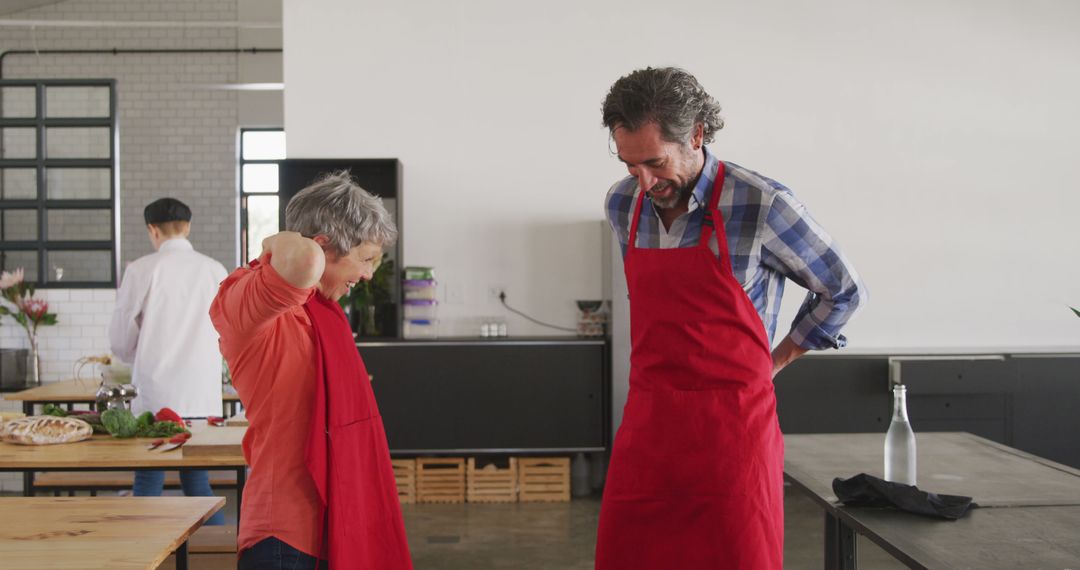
column 58, row 181
column 261, row 152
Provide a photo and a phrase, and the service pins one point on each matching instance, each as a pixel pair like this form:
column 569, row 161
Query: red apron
column 696, row 474
column 347, row 454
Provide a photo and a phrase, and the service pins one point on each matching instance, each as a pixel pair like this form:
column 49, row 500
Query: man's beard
column 677, row 196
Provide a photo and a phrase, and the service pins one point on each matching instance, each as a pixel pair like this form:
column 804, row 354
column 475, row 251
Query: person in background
column 696, row 473
column 322, row 486
column 161, row 327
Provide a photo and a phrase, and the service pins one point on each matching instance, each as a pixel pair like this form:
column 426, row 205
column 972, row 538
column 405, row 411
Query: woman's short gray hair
column 668, row 96
column 336, row 207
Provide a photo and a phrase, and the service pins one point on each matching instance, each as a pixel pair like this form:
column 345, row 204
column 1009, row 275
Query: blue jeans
column 275, row 554
column 194, row 484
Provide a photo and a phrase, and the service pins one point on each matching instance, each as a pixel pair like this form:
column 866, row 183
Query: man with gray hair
column 696, row 474
column 321, row 487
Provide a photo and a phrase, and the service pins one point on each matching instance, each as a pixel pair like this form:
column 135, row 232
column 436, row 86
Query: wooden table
column 70, row 392
column 115, row 533
column 106, row 453
column 1029, row 506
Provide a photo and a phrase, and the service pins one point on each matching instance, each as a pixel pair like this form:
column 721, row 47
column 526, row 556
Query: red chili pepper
column 180, row 437
column 167, row 415
column 156, row 443
column 215, row 421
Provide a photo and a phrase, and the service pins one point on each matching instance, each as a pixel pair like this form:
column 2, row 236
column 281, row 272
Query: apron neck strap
column 706, row 227
column 632, row 242
column 709, row 223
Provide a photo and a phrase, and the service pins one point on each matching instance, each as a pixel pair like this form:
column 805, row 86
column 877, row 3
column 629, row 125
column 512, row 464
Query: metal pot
column 119, row 396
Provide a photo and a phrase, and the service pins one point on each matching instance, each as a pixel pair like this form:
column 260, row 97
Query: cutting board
column 209, row 440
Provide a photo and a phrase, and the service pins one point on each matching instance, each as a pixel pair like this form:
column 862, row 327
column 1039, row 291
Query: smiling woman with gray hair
column 342, row 211
column 303, row 385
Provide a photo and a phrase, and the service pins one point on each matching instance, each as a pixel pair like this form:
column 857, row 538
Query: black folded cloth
column 865, row 490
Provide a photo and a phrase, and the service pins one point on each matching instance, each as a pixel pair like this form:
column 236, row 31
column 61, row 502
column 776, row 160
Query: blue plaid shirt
column 771, row 237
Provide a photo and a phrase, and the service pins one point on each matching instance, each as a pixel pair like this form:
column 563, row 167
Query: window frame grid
column 41, row 122
column 243, row 195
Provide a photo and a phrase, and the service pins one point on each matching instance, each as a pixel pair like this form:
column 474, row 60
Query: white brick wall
column 82, row 331
column 177, row 138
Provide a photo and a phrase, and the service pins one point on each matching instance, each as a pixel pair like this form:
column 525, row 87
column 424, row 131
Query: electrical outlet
column 494, row 291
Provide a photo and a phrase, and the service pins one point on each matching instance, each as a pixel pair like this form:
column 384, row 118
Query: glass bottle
column 900, row 442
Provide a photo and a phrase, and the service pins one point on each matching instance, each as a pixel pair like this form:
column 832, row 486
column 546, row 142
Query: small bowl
column 589, row 306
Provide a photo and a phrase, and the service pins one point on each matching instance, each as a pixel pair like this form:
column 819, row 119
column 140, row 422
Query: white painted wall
column 936, row 141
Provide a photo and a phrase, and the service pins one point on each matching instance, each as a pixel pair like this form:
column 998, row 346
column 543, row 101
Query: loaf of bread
column 44, row 430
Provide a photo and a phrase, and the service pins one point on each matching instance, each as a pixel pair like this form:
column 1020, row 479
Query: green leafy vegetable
column 123, row 424
column 144, row 421
column 119, row 423
column 162, row 429
column 95, row 422
column 54, row 410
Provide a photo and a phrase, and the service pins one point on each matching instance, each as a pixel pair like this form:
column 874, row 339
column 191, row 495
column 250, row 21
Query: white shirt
column 161, row 326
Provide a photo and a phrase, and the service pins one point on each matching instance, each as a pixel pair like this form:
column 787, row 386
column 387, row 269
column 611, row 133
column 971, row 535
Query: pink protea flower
column 12, row 278
column 35, row 308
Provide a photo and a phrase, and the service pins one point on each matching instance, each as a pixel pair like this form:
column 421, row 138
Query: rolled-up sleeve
column 796, row 246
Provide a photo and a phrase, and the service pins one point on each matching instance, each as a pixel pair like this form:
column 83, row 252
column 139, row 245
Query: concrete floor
column 563, row 536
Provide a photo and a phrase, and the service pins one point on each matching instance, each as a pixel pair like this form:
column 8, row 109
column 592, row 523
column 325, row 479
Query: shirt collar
column 700, row 195
column 176, row 244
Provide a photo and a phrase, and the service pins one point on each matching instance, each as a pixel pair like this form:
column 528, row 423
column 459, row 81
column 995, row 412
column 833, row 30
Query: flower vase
column 33, row 364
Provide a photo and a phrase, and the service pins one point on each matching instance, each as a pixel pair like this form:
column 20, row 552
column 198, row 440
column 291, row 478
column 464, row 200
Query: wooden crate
column 543, row 479
column 491, row 484
column 440, row 479
column 405, row 479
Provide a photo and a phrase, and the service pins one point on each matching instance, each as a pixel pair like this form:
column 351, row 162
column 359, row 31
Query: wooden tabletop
column 949, row 463
column 82, row 533
column 74, row 391
column 215, row 441
column 103, row 451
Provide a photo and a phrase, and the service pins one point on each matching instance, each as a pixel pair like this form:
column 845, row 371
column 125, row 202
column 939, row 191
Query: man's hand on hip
column 785, row 353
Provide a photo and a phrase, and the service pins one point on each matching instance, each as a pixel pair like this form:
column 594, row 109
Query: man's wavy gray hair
column 337, row 207
column 668, row 96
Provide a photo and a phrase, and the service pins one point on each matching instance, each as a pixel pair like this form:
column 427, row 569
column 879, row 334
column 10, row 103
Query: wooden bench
column 93, row 481
column 216, row 539
column 209, row 548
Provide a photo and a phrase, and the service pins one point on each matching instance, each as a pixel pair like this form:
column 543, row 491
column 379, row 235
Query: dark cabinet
column 834, row 395
column 1027, row 401
column 1045, row 407
column 962, row 395
column 457, row 396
